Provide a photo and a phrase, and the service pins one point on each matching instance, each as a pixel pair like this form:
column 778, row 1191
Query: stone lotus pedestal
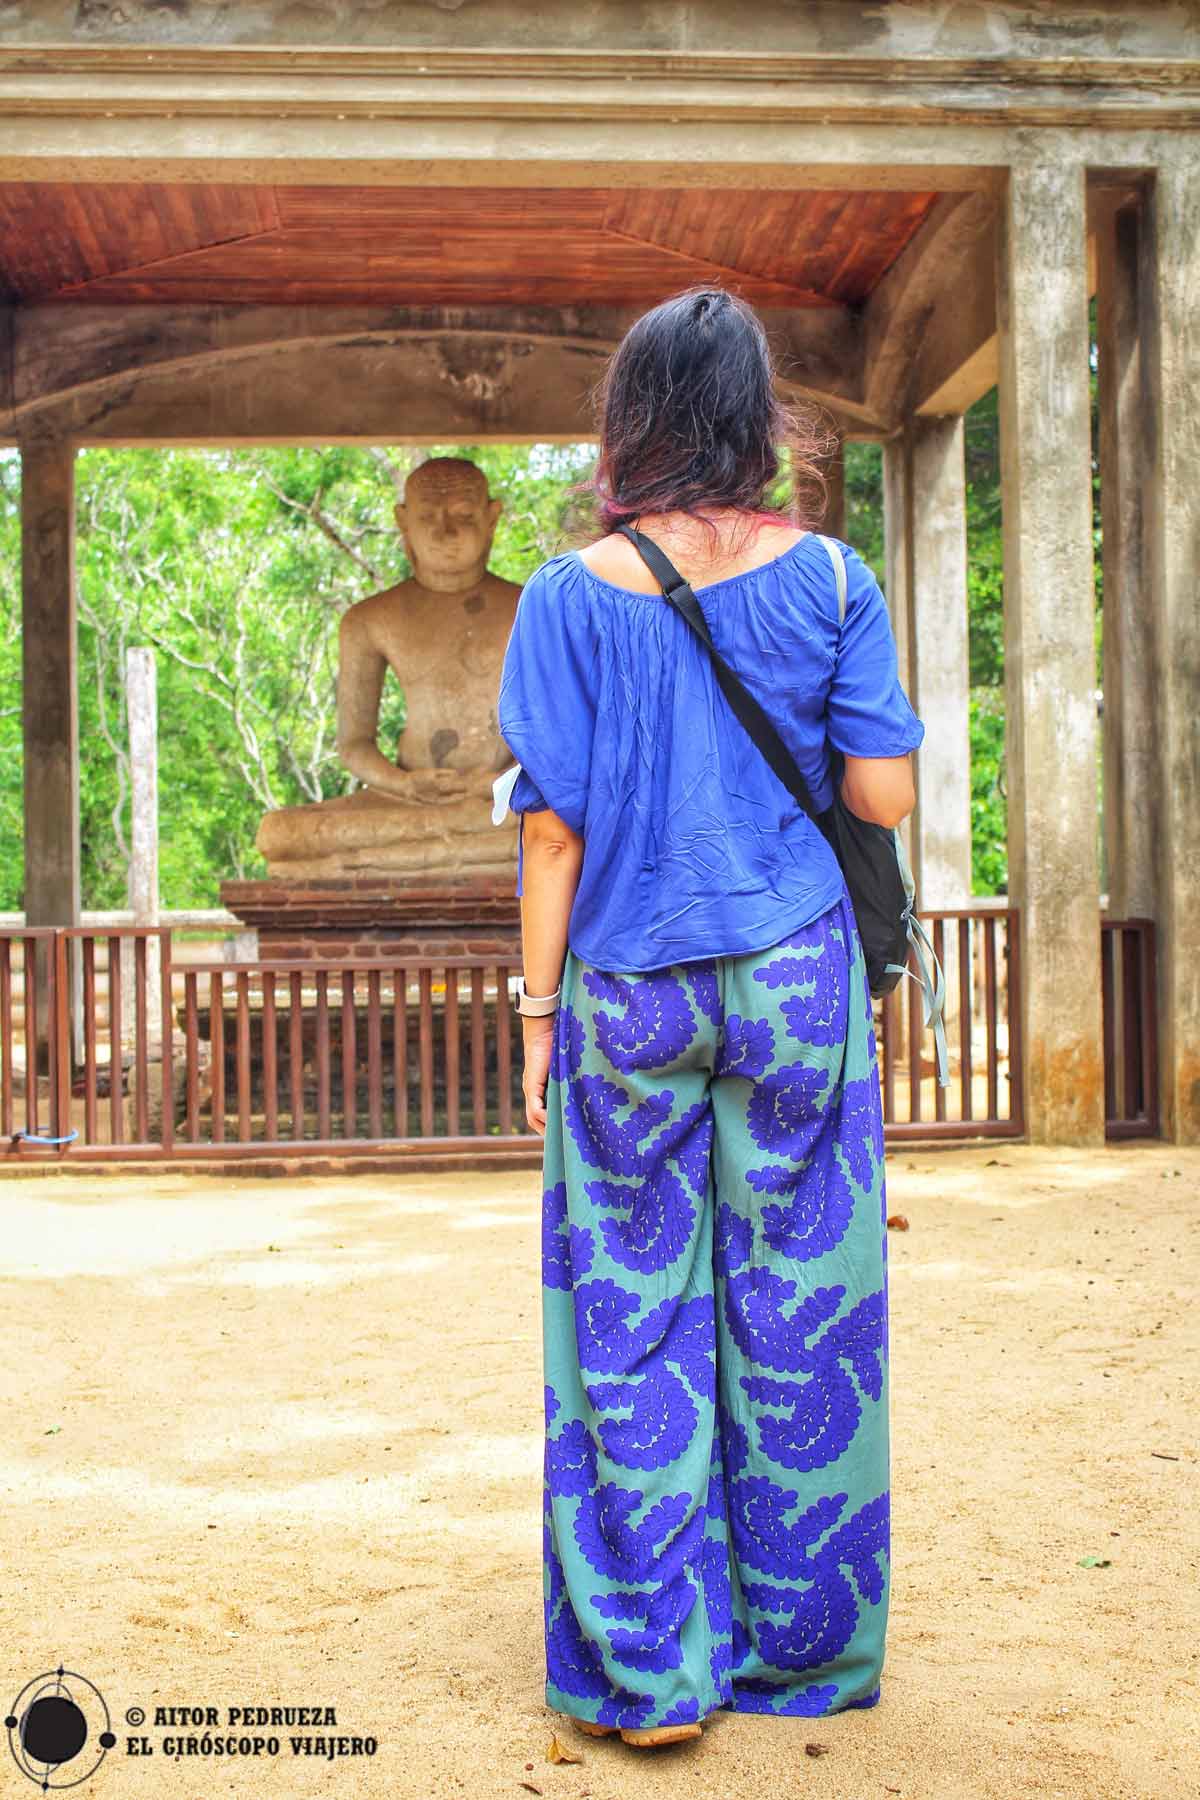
column 377, row 916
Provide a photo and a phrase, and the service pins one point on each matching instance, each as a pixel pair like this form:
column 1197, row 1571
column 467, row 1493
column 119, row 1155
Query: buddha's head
column 448, row 520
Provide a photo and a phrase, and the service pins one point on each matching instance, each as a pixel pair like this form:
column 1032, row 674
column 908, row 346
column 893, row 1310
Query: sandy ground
column 278, row 1443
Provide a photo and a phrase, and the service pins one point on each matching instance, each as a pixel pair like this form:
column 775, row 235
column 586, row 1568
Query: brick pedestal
column 372, row 916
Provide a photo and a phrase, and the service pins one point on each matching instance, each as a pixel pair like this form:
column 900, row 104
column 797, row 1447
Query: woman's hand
column 539, row 1041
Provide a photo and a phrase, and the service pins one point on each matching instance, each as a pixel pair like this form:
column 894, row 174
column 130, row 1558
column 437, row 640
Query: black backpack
column 872, row 857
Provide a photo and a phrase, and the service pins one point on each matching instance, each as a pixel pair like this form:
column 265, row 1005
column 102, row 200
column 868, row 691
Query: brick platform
column 374, row 916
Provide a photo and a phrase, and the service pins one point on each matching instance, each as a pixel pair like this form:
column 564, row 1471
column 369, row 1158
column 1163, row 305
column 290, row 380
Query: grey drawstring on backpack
column 933, row 993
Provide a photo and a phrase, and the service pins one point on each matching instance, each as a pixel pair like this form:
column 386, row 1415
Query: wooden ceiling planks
column 450, row 246
column 55, row 237
column 835, row 245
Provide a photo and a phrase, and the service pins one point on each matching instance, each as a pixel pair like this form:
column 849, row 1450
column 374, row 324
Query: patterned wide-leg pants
column 717, row 1528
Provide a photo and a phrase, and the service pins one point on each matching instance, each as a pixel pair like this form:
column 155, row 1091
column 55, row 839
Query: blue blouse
column 692, row 845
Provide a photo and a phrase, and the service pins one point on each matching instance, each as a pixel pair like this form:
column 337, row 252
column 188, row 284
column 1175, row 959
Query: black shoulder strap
column 743, row 703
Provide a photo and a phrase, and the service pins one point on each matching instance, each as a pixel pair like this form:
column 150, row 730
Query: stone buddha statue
column 427, row 814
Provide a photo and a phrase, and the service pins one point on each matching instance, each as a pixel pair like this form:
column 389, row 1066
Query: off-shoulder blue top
column 692, row 845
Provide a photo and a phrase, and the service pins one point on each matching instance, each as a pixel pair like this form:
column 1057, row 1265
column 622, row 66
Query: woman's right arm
column 868, row 717
column 879, row 788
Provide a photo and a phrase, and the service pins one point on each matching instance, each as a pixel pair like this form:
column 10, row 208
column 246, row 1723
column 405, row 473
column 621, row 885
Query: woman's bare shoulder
column 613, row 558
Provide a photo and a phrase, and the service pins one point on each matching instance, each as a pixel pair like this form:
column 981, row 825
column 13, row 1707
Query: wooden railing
column 979, row 951
column 112, row 1040
column 34, row 1054
column 1129, row 989
column 303, row 1056
column 119, row 1068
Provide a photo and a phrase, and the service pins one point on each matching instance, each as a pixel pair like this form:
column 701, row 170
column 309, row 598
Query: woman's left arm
column 552, row 857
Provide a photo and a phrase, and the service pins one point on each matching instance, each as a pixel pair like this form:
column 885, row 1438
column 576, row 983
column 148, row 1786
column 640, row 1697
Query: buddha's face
column 448, row 521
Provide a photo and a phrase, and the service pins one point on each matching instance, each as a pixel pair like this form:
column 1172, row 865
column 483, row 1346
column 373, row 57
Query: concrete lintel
column 63, row 349
column 779, row 154
column 980, row 41
column 1049, row 601
column 427, row 390
column 800, row 72
column 474, row 154
column 325, row 374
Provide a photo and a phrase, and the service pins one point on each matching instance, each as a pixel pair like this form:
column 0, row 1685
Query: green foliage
column 864, row 504
column 985, row 648
column 989, row 848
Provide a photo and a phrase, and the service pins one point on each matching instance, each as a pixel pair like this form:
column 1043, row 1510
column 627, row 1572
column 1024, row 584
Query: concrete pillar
column 1131, row 752
column 50, row 709
column 925, row 545
column 1170, row 280
column 940, row 691
column 925, row 541
column 1051, row 739
column 1130, row 755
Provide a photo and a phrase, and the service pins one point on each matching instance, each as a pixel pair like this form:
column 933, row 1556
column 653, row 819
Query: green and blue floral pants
column 716, row 1492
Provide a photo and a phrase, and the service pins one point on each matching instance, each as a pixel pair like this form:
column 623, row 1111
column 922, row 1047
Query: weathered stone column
column 1170, row 264
column 925, row 535
column 925, row 543
column 1050, row 676
column 50, row 693
column 1127, row 455
column 942, row 679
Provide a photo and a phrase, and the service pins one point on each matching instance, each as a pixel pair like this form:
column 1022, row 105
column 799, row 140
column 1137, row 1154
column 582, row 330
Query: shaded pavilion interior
column 218, row 313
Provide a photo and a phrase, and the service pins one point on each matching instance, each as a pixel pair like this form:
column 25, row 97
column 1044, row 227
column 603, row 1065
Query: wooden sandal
column 647, row 1737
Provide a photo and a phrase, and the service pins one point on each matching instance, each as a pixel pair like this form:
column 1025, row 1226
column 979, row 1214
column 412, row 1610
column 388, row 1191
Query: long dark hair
column 689, row 418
